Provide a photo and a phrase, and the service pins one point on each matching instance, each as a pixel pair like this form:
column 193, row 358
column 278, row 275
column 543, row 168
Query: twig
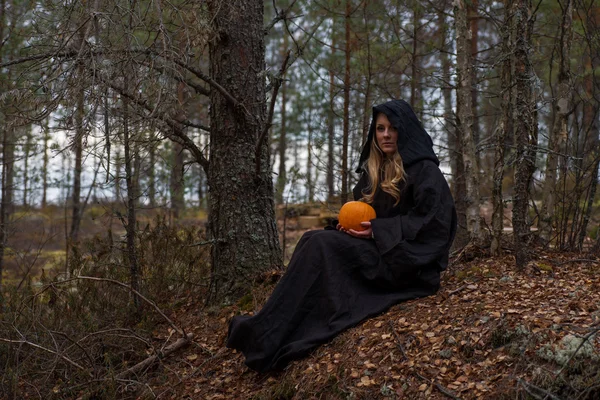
column 576, row 260
column 439, row 386
column 528, row 386
column 278, row 79
column 451, row 292
column 398, row 340
column 213, row 241
column 181, row 342
column 135, row 292
column 279, row 15
column 585, row 339
column 263, row 134
column 37, row 346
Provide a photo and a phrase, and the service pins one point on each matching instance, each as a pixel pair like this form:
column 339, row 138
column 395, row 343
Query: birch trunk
column 558, row 134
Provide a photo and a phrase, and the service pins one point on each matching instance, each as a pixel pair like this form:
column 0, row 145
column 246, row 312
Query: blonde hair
column 389, row 170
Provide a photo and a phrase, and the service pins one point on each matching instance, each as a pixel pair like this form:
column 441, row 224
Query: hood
column 414, row 143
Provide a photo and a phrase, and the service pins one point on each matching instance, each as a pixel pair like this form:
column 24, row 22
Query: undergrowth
column 71, row 337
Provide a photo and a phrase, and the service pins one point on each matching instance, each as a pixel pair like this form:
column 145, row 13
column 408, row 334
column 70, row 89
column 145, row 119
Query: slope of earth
column 490, row 332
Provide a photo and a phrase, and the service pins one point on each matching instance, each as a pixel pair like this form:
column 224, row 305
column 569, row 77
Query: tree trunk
column 78, row 148
column 282, row 145
column 558, row 134
column 590, row 123
column 177, row 184
column 26, row 154
column 473, row 17
column 525, row 130
column 5, row 206
column 117, row 175
column 415, row 83
column 465, row 119
column 310, row 185
column 45, row 166
column 330, row 138
column 346, row 125
column 369, row 77
column 152, row 173
column 456, row 159
column 242, row 216
column 505, row 129
column 131, row 200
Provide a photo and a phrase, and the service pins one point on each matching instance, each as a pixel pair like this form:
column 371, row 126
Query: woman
column 337, row 278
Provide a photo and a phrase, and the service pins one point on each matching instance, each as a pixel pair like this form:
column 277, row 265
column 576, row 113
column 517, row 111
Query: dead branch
column 263, row 135
column 279, row 15
column 177, row 134
column 576, row 260
column 451, row 292
column 287, row 63
column 530, row 388
column 585, row 339
column 439, row 386
column 142, row 365
column 37, row 346
column 135, row 292
column 398, row 340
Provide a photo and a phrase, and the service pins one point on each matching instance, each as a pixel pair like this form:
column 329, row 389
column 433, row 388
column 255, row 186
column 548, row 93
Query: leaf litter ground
column 490, row 332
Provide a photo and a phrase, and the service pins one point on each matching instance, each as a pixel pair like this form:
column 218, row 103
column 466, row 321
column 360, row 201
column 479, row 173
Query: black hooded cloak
column 335, row 280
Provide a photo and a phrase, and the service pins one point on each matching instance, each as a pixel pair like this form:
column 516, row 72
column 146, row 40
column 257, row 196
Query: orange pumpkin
column 355, row 212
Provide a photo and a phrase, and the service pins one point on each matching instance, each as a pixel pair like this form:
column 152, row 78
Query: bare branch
column 278, row 80
column 232, row 100
column 135, row 292
column 37, row 346
column 177, row 134
column 280, row 15
column 181, row 342
column 263, row 135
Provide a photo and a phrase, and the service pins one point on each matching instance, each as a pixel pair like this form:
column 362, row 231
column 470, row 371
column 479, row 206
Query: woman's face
column 386, row 135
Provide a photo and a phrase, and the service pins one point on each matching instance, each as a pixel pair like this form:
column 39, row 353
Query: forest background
column 147, row 145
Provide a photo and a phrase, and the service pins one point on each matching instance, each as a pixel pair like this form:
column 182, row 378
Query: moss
column 246, row 303
column 474, row 270
column 545, row 267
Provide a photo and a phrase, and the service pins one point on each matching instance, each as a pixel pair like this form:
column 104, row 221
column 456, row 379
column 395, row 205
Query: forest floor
column 490, row 332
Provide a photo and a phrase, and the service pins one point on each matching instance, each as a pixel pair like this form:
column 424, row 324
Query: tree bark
column 415, row 83
column 456, row 161
column 330, row 137
column 242, row 217
column 282, row 145
column 45, row 166
column 26, row 154
column 504, row 130
column 152, row 174
column 465, row 119
column 558, row 134
column 177, row 184
column 131, row 200
column 346, row 124
column 525, row 130
column 5, row 206
column 473, row 16
column 310, row 185
column 78, row 149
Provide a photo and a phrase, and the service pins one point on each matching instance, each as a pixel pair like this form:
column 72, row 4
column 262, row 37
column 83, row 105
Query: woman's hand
column 366, row 234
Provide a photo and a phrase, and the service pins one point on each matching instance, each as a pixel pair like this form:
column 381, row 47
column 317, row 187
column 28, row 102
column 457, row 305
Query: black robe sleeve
column 422, row 234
